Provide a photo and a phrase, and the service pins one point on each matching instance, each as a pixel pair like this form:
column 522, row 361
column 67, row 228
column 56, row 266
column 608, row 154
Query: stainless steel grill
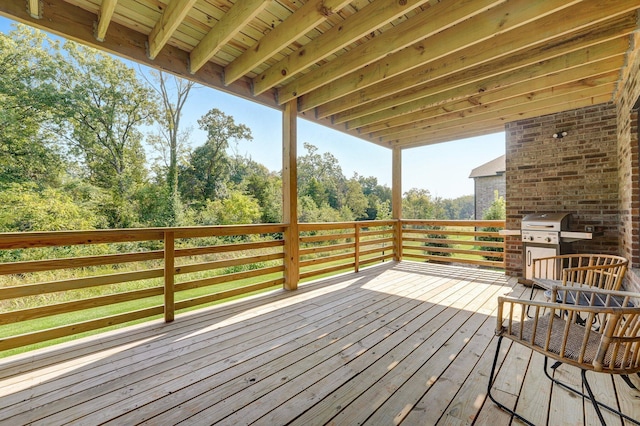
column 542, row 237
column 544, row 228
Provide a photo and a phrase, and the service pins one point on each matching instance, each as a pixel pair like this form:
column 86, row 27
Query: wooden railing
column 59, row 284
column 67, row 283
column 327, row 248
column 454, row 241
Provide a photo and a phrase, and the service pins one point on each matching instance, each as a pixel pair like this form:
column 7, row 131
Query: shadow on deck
column 400, row 343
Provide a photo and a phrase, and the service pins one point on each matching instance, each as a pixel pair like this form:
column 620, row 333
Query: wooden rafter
column 435, row 19
column 104, row 18
column 473, row 31
column 471, row 128
column 398, row 73
column 171, row 18
column 565, row 68
column 587, row 71
column 537, row 89
column 242, row 12
column 474, row 63
column 34, row 7
column 300, row 22
column 542, row 99
column 365, row 21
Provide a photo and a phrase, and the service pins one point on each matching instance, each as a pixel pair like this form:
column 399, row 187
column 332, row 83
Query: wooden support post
column 396, row 201
column 290, row 195
column 169, row 276
column 357, row 248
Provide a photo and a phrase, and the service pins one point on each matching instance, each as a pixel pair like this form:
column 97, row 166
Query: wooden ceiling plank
column 567, row 92
column 514, row 111
column 75, row 23
column 299, row 23
column 433, row 20
column 472, row 129
column 507, row 16
column 356, row 26
column 486, row 59
column 414, row 119
column 240, row 14
column 104, row 18
column 171, row 18
column 514, row 95
column 452, row 137
column 443, row 92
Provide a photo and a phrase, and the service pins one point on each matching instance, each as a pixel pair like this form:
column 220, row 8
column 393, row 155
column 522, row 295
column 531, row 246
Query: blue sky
column 443, row 169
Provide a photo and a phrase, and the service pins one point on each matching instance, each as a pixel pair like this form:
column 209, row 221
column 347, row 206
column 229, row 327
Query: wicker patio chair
column 604, row 271
column 554, row 332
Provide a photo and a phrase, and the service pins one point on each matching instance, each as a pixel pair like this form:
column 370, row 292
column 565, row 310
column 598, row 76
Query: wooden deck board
column 401, row 343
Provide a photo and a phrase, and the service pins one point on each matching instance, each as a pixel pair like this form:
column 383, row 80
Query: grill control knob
column 531, row 238
column 548, row 239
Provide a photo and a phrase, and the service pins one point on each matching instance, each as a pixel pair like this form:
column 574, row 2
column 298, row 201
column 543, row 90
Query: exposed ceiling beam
column 74, row 23
column 502, row 18
column 485, row 59
column 469, row 129
column 436, row 18
column 445, row 90
column 299, row 23
column 232, row 22
column 34, row 7
column 104, row 18
column 520, row 94
column 585, row 70
column 171, row 18
column 356, row 26
column 545, row 97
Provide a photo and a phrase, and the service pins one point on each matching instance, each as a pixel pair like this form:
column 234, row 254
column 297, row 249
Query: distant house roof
column 494, row 167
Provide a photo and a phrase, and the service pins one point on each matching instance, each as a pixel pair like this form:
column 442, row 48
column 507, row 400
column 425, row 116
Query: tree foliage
column 206, row 176
column 74, row 125
column 497, row 211
column 28, row 98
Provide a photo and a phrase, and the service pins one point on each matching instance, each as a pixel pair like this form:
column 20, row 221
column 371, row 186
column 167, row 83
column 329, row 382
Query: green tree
column 378, row 196
column 263, row 185
column 107, row 106
column 234, row 209
column 206, row 176
column 321, row 178
column 171, row 139
column 355, row 200
column 497, row 211
column 417, row 204
column 28, row 97
column 28, row 208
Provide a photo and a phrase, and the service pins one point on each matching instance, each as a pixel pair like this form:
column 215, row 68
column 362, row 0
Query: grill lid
column 546, row 222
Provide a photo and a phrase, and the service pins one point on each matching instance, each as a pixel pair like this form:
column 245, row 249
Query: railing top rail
column 491, row 223
column 15, row 240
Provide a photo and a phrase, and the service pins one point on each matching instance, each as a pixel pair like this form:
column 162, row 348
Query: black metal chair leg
column 491, row 377
column 556, row 365
column 627, row 380
column 593, row 400
column 591, row 397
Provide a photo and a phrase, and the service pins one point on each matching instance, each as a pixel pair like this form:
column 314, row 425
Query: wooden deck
column 405, row 343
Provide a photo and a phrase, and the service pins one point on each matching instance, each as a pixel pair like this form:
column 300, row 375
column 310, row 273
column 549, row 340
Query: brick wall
column 577, row 174
column 628, row 170
column 485, row 192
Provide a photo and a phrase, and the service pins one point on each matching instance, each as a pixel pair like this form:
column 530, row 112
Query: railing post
column 290, row 196
column 357, row 248
column 396, row 201
column 169, row 276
